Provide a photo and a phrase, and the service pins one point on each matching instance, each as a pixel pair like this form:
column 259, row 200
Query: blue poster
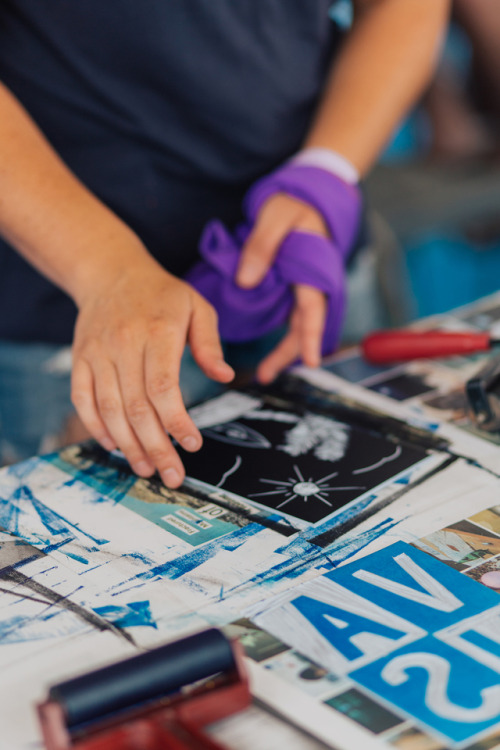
column 415, row 634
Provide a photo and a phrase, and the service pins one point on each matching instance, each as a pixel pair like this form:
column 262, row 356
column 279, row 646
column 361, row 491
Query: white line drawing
column 230, row 471
column 327, row 438
column 273, row 416
column 382, row 461
column 303, row 488
column 236, row 433
column 226, row 408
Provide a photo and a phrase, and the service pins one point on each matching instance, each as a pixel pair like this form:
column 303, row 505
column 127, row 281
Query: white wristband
column 331, row 161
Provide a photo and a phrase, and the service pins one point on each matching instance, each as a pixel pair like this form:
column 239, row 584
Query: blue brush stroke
column 25, row 468
column 77, row 558
column 344, row 516
column 139, row 557
column 177, row 568
column 133, row 614
column 315, row 558
column 109, row 482
column 20, row 629
column 55, row 524
column 357, row 543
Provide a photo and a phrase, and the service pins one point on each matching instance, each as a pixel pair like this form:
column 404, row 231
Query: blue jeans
column 34, row 398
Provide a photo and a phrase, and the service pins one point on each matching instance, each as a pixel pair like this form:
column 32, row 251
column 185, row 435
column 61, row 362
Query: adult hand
column 280, row 215
column 130, row 335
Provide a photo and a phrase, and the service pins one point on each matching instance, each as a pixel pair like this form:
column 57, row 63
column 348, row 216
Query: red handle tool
column 382, row 347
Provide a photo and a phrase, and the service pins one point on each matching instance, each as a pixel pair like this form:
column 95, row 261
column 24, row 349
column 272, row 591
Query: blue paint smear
column 139, row 557
column 130, row 588
column 314, row 558
column 133, row 614
column 78, row 558
column 25, row 468
column 20, row 629
column 354, row 545
column 55, row 524
column 403, row 480
column 347, row 514
column 110, row 483
column 187, row 563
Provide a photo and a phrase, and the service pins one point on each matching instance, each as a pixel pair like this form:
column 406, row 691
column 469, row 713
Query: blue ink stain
column 352, row 546
column 109, row 482
column 24, row 469
column 187, row 563
column 130, row 588
column 134, row 614
column 52, row 521
column 78, row 558
column 139, row 557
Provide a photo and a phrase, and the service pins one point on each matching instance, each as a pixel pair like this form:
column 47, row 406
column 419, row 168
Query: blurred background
column 434, row 198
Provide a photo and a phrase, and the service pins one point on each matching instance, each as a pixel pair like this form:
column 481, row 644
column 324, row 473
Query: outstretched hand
column 129, row 339
column 280, row 215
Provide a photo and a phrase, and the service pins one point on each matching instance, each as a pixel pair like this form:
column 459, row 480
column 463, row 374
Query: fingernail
column 249, row 275
column 265, row 378
column 190, row 443
column 143, row 468
column 171, row 478
column 108, row 444
column 224, row 365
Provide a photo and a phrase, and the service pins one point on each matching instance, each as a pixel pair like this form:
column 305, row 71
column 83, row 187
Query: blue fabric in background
column 448, row 270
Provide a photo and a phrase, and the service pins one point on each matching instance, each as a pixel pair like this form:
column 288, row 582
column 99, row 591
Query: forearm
column 49, row 216
column 384, row 65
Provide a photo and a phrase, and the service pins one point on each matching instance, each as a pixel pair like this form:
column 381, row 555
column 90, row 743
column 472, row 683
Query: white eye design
column 236, row 433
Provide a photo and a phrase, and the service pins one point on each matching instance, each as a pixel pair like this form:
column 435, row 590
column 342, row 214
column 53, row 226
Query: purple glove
column 303, row 258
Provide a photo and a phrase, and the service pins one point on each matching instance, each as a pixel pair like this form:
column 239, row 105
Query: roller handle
column 382, row 347
column 148, row 676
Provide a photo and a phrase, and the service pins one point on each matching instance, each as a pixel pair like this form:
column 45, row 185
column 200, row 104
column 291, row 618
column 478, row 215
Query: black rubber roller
column 146, row 677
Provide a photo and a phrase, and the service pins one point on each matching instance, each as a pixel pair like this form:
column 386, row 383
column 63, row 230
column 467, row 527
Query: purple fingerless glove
column 303, row 258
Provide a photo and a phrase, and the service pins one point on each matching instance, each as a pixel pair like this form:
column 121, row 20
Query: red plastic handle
column 395, row 346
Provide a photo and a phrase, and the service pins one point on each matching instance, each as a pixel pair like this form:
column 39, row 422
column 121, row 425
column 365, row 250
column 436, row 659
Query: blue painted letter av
column 410, row 630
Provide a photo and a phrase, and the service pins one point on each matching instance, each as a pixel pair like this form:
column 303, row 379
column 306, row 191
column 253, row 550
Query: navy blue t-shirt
column 166, row 109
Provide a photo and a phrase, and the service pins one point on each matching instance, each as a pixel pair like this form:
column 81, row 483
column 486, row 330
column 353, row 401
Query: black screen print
column 306, row 466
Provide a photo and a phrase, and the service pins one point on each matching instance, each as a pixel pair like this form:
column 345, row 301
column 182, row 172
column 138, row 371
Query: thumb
column 205, row 343
column 262, row 245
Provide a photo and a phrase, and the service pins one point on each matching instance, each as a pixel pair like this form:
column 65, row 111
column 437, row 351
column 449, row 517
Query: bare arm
column 386, row 62
column 134, row 317
column 383, row 66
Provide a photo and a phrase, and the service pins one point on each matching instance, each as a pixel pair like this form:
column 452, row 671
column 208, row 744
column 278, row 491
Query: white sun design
column 298, row 487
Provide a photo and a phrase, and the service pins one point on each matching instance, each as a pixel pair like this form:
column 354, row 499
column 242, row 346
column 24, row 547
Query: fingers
column 205, row 343
column 132, row 402
column 261, row 247
column 304, row 337
column 311, row 309
column 83, row 399
column 96, row 395
column 281, row 357
column 153, row 406
column 127, row 353
column 279, row 215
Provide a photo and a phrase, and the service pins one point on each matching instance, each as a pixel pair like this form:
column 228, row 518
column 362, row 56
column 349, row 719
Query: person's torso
column 167, row 109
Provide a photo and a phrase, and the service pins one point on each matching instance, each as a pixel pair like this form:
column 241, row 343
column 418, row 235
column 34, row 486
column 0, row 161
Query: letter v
column 437, row 596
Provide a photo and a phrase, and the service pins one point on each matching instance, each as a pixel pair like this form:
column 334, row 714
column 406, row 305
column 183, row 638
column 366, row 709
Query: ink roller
column 159, row 700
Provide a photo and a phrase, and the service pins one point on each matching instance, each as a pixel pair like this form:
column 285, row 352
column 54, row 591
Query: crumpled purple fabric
column 303, row 257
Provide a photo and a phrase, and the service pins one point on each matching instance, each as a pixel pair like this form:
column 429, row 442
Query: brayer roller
column 159, row 699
